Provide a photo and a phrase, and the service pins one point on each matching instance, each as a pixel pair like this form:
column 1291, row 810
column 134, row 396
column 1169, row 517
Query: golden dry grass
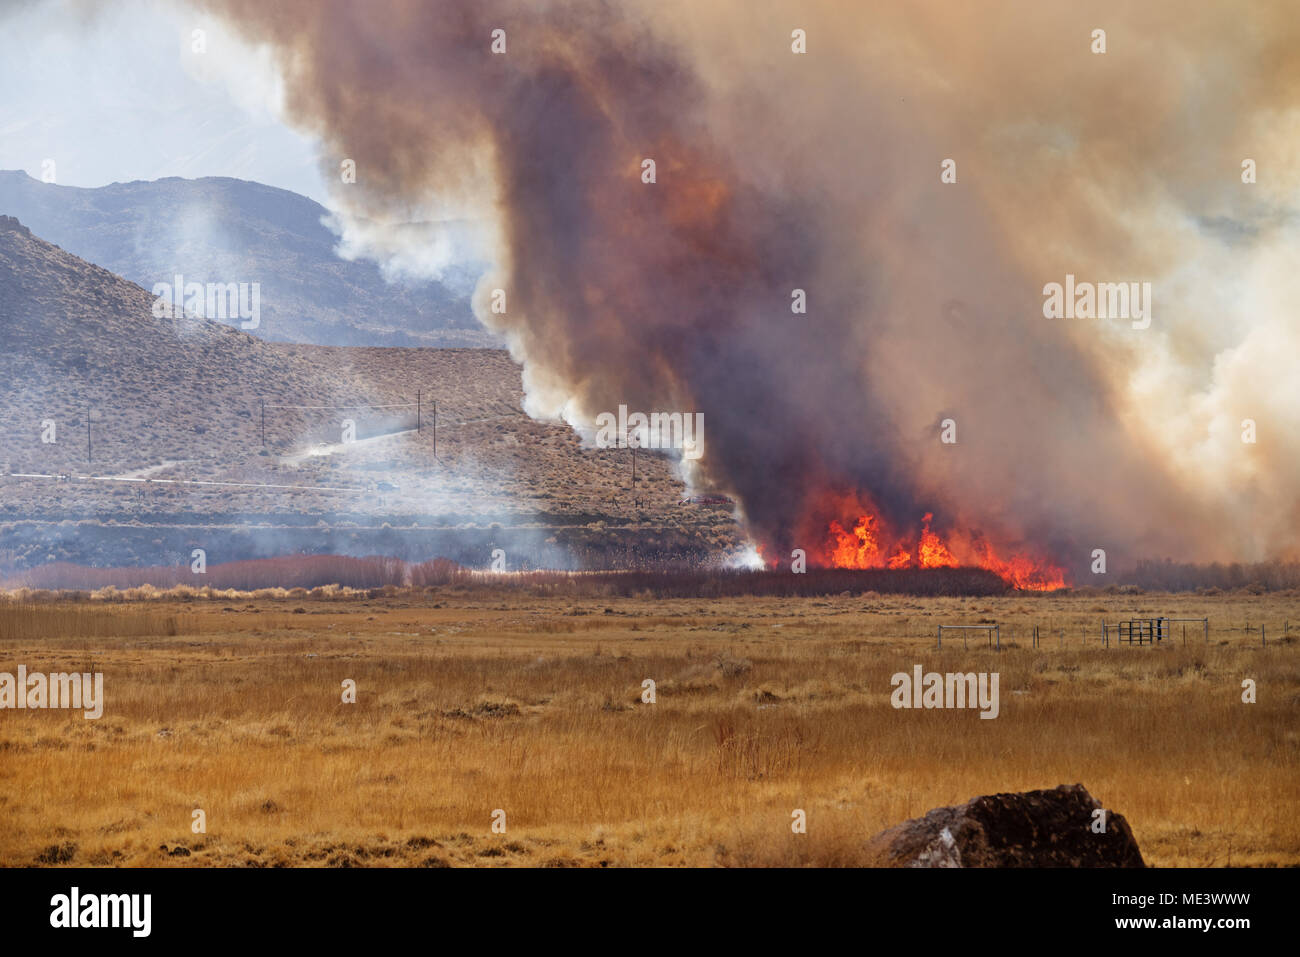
column 469, row 702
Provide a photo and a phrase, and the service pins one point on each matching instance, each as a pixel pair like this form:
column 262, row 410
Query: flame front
column 1023, row 572
column 870, row 544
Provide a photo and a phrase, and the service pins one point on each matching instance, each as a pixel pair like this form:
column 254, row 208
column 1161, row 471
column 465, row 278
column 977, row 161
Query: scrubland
column 471, row 700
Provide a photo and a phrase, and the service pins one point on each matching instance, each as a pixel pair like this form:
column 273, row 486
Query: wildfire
column 1024, row 573
column 932, row 552
column 863, row 548
column 857, row 550
column 901, row 558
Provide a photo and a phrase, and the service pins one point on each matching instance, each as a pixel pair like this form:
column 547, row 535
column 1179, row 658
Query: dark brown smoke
column 820, row 172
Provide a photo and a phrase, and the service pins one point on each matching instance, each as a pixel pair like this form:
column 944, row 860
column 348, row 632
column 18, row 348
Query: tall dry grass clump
column 20, row 621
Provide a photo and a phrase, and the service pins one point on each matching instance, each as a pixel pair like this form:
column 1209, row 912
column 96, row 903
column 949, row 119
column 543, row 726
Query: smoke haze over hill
column 227, row 230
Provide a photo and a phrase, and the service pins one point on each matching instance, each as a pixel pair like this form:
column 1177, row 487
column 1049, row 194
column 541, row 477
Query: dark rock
column 1050, row 828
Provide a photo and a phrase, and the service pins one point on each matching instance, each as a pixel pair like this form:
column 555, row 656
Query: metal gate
column 1143, row 631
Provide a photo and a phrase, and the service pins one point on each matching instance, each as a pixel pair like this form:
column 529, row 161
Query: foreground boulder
column 1051, row 828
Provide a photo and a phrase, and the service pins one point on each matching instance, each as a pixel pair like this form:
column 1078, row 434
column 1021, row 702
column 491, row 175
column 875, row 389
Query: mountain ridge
column 221, row 229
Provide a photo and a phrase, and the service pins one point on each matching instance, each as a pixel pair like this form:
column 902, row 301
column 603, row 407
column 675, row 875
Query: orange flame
column 1023, row 572
column 863, row 548
column 858, row 550
column 933, row 553
column 901, row 558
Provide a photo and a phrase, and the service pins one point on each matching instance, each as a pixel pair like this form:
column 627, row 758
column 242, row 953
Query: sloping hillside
column 229, row 230
column 80, row 339
column 201, row 435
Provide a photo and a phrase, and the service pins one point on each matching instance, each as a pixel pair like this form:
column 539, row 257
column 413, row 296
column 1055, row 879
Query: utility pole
column 435, row 430
column 417, row 411
column 634, row 442
column 263, row 401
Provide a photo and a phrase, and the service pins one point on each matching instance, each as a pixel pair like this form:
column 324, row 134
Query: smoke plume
column 821, row 171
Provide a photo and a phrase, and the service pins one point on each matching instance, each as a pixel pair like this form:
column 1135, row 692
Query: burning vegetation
column 870, row 542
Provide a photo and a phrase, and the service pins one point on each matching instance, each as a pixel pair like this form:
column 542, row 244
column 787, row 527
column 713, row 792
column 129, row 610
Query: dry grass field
column 471, row 700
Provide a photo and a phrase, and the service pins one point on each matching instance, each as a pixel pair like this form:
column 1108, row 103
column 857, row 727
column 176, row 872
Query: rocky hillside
column 81, row 339
column 415, row 453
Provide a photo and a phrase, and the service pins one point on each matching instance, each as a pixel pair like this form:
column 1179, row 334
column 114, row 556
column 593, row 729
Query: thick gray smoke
column 821, row 171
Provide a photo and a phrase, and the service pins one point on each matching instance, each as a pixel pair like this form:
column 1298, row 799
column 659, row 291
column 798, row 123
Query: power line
column 348, row 408
column 157, row 481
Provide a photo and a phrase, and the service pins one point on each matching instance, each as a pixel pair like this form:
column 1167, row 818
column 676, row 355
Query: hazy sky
column 114, row 92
